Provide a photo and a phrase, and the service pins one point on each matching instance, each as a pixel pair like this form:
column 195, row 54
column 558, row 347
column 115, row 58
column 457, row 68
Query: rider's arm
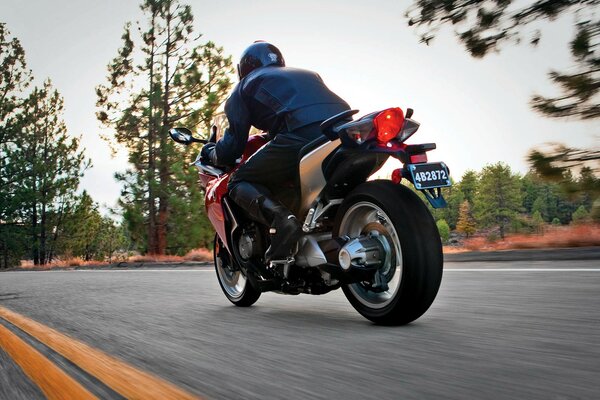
column 232, row 145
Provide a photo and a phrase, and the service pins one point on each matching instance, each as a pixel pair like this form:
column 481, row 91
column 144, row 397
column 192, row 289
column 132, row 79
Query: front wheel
column 236, row 287
column 413, row 269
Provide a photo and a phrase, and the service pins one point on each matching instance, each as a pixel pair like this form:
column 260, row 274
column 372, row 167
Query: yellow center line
column 52, row 381
column 118, row 375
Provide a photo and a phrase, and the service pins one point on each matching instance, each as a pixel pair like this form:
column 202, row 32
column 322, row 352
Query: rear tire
column 236, row 287
column 414, row 273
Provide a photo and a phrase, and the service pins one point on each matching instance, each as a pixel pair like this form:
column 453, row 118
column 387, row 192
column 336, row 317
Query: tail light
column 388, row 124
column 383, row 126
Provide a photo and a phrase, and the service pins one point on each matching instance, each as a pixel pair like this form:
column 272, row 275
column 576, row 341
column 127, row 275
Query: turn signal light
column 388, row 124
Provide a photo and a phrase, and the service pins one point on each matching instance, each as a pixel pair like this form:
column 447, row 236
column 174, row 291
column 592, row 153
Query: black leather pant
column 267, row 172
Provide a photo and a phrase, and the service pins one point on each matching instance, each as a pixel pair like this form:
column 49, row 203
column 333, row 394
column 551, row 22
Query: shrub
column 580, row 215
column 444, row 230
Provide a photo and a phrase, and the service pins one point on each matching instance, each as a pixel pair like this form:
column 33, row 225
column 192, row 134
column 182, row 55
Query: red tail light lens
column 388, row 124
column 397, row 176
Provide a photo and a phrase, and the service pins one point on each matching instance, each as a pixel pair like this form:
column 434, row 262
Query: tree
column 499, row 198
column 580, row 215
column 82, row 229
column 90, row 235
column 538, row 222
column 454, row 199
column 14, row 78
column 560, row 160
column 485, row 26
column 580, row 89
column 466, row 223
column 444, row 230
column 49, row 165
column 468, row 185
column 158, row 79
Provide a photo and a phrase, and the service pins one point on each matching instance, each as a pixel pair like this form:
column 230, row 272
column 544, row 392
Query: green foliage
column 89, row 235
column 180, row 81
column 444, row 230
column 484, row 27
column 466, row 223
column 454, row 198
column 538, row 221
column 468, row 185
column 580, row 215
column 499, row 197
column 556, row 165
column 556, row 222
column 580, row 88
column 14, row 78
column 47, row 165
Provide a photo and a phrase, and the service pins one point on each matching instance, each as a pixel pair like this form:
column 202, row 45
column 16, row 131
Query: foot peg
column 286, row 261
column 286, row 264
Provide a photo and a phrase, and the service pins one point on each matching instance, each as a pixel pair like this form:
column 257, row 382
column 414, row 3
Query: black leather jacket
column 276, row 100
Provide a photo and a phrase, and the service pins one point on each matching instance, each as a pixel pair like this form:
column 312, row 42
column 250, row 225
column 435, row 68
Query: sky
column 476, row 110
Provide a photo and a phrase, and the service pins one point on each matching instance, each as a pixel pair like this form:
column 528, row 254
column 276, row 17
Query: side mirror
column 183, row 136
column 409, row 113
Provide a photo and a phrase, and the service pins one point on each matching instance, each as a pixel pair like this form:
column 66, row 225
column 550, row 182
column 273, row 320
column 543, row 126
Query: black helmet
column 259, row 54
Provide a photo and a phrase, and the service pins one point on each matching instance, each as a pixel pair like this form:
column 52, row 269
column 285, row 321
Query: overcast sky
column 475, row 110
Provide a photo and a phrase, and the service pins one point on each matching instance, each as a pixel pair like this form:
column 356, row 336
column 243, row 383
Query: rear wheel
column 236, row 287
column 413, row 267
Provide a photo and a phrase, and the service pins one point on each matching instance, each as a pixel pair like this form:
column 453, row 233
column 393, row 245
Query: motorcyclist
column 287, row 103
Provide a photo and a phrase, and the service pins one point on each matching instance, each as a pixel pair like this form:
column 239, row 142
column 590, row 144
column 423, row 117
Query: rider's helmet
column 259, row 54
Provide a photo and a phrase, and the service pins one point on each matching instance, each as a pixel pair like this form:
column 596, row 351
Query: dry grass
column 199, row 255
column 553, row 237
column 193, row 255
column 63, row 263
column 155, row 258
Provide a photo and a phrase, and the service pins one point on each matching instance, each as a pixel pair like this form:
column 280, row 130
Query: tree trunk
column 150, row 175
column 163, row 206
column 43, row 256
column 34, row 236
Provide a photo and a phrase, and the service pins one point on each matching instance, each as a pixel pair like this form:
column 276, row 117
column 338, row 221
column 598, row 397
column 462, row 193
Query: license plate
column 431, row 175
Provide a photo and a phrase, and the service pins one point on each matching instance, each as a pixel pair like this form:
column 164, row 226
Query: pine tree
column 499, row 197
column 579, row 97
column 49, row 164
column 538, row 222
column 466, row 223
column 580, row 215
column 484, row 27
column 179, row 81
column 14, row 78
column 468, row 185
column 82, row 229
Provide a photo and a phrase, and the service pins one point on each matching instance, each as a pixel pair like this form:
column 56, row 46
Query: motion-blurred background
column 507, row 89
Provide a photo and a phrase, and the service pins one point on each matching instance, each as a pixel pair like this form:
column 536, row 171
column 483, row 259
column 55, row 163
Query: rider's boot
column 284, row 229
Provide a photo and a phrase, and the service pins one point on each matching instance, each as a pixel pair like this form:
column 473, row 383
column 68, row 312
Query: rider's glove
column 207, row 152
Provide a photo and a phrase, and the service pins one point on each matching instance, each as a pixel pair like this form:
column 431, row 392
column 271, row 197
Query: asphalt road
column 495, row 331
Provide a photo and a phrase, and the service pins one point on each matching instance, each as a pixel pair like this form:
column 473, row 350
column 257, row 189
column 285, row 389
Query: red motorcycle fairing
column 216, row 188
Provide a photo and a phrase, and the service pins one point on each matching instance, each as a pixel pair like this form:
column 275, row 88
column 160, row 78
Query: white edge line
column 212, row 270
column 113, row 270
column 522, row 269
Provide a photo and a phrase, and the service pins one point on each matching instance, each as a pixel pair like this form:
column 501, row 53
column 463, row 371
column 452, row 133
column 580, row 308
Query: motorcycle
column 374, row 239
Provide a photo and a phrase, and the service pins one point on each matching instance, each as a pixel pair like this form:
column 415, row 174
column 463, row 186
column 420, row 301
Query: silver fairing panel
column 312, row 180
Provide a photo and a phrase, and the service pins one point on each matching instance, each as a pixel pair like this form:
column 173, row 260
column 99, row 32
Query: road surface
column 497, row 330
